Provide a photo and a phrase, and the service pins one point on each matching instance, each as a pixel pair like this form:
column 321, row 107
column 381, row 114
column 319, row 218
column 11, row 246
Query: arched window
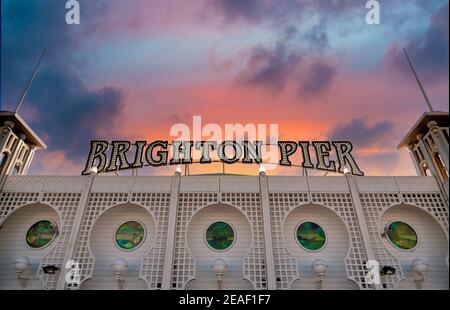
column 16, row 170
column 443, row 173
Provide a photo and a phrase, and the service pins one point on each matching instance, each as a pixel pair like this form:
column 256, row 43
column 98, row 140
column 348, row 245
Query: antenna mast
column 30, row 82
column 418, row 82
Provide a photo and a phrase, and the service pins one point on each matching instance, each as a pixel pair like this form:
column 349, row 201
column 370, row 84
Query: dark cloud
column 273, row 11
column 273, row 67
column 69, row 112
column 295, row 55
column 429, row 53
column 360, row 134
column 316, row 79
column 269, row 68
column 240, row 9
column 281, row 12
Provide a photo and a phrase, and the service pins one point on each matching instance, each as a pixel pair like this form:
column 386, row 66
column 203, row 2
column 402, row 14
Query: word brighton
column 157, row 154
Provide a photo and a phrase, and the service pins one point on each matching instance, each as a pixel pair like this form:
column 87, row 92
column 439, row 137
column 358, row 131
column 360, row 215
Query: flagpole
column 418, row 81
column 22, row 98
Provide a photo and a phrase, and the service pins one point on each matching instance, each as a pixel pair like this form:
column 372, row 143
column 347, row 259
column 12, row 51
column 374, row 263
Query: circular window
column 402, row 236
column 130, row 235
column 220, row 236
column 311, row 236
column 41, row 234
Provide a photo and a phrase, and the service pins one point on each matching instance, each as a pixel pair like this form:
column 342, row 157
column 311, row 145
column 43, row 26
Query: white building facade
column 224, row 231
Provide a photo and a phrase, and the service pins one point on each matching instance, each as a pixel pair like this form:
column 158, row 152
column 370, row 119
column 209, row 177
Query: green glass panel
column 40, row 234
column 402, row 235
column 129, row 235
column 311, row 236
column 220, row 236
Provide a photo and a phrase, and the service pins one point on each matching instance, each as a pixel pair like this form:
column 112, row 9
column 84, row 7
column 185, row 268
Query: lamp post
column 320, row 268
column 420, row 268
column 22, row 265
column 346, row 170
column 219, row 267
column 262, row 169
column 93, row 171
column 119, row 267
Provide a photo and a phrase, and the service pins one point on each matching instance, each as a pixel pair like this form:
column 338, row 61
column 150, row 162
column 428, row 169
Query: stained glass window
column 402, row 235
column 220, row 236
column 130, row 235
column 41, row 234
column 311, row 236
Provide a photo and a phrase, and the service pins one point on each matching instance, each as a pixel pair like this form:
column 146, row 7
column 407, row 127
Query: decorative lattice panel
column 254, row 262
column 11, row 201
column 97, row 204
column 153, row 264
column 432, row 202
column 280, row 204
column 158, row 206
column 66, row 204
column 190, row 203
column 355, row 261
column 373, row 205
column 183, row 261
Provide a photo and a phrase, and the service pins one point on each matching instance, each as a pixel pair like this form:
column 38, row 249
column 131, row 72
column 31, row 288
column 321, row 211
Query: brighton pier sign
column 104, row 158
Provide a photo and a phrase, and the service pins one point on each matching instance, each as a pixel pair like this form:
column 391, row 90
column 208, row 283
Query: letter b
column 97, row 153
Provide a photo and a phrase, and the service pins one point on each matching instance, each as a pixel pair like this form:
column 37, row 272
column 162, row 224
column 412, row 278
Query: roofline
column 406, row 139
column 36, row 140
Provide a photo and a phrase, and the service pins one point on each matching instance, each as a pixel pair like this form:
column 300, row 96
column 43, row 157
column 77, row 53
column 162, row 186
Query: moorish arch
column 126, row 231
column 33, row 231
column 189, row 204
column 375, row 205
column 412, row 232
column 219, row 231
column 311, row 232
column 156, row 204
column 65, row 204
column 341, row 206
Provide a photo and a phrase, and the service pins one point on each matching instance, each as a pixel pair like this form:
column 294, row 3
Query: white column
column 432, row 167
column 7, row 127
column 6, row 133
column 14, row 155
column 427, row 156
column 361, row 222
column 27, row 161
column 441, row 144
column 414, row 160
column 70, row 250
column 270, row 266
column 170, row 242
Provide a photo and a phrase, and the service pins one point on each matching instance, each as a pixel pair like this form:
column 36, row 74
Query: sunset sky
column 134, row 68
